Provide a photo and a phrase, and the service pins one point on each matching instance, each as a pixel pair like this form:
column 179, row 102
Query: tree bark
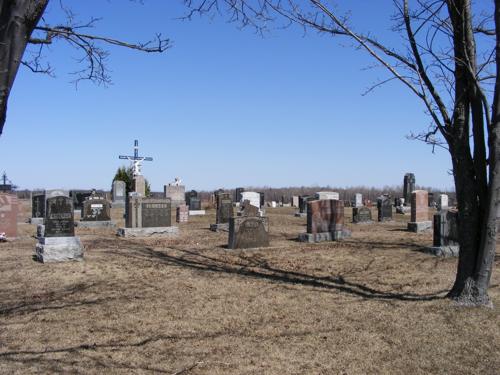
column 476, row 195
column 17, row 21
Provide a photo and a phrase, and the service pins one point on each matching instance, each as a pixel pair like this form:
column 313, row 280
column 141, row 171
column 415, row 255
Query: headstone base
column 324, row 236
column 36, row 220
column 219, row 227
column 148, row 232
column 443, row 251
column 95, row 224
column 301, row 214
column 58, row 249
column 196, row 212
column 420, row 226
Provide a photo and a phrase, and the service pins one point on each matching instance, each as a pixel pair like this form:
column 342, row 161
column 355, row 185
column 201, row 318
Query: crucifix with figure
column 136, row 160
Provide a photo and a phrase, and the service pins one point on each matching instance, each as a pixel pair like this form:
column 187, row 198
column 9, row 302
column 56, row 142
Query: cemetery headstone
column 37, row 207
column 96, row 212
column 176, row 192
column 253, row 197
column 384, row 207
column 9, row 207
column 361, row 215
column 303, row 199
column 59, row 219
column 182, row 214
column 224, row 211
column 262, row 200
column 325, row 221
column 445, row 236
column 148, row 217
column 358, row 200
column 322, row 195
column 119, row 193
column 248, row 232
column 295, row 201
column 408, row 186
column 419, row 212
column 59, row 242
column 237, row 194
column 442, row 202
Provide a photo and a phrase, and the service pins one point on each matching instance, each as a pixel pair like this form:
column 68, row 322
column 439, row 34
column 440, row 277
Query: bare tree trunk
column 486, row 255
column 17, row 21
column 475, row 195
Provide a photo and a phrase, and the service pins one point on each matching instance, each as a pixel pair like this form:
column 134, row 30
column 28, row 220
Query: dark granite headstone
column 237, row 194
column 248, row 232
column 408, row 187
column 193, row 194
column 38, row 204
column 446, row 228
column 303, row 199
column 224, row 208
column 262, row 199
column 361, row 215
column 119, row 193
column 59, row 220
column 96, row 209
column 194, row 204
column 384, row 207
column 156, row 213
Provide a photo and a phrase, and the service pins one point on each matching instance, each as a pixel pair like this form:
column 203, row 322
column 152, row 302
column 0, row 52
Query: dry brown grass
column 372, row 304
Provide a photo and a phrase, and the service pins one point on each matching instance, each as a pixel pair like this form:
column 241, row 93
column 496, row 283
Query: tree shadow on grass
column 52, row 300
column 261, row 269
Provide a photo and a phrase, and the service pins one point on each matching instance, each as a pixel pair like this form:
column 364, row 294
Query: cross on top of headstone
column 136, row 159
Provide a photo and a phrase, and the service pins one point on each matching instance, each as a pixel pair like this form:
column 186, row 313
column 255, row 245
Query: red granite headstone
column 325, row 216
column 9, row 206
column 182, row 214
column 419, row 206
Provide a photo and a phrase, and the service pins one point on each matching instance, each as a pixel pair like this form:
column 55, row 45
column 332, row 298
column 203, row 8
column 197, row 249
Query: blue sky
column 223, row 108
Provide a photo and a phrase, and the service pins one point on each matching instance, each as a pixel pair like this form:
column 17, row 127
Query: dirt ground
column 371, row 304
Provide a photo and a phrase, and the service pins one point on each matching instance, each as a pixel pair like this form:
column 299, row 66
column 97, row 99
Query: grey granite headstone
column 58, row 249
column 148, row 212
column 119, row 193
column 56, row 193
column 361, row 215
column 224, row 212
column 248, row 232
column 38, row 204
column 224, row 208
